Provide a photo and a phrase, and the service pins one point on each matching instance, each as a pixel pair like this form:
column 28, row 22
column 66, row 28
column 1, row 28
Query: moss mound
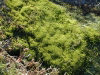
column 50, row 33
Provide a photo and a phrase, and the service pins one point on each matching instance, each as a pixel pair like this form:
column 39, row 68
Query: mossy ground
column 50, row 33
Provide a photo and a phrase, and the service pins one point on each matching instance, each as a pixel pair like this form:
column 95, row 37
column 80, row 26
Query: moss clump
column 50, row 33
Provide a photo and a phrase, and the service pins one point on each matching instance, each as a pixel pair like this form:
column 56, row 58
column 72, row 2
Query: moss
column 49, row 32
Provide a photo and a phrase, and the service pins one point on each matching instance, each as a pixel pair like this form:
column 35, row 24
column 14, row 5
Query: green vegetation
column 53, row 35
